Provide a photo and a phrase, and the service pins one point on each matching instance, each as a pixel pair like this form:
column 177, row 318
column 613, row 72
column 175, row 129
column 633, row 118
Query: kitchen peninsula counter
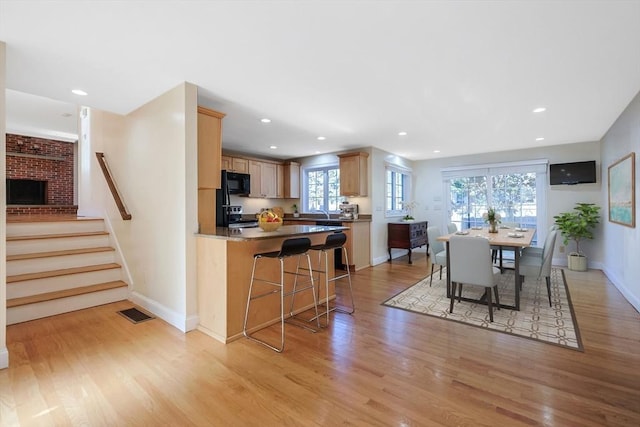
column 224, row 263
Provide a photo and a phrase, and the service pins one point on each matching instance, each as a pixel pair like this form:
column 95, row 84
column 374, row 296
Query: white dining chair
column 452, row 227
column 437, row 251
column 470, row 263
column 538, row 265
column 531, row 250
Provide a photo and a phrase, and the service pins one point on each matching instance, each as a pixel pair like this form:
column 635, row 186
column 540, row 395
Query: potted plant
column 408, row 207
column 296, row 214
column 578, row 225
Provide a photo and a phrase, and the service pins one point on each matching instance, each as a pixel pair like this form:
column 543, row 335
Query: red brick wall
column 44, row 160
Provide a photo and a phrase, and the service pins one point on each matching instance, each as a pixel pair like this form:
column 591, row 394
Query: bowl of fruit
column 269, row 221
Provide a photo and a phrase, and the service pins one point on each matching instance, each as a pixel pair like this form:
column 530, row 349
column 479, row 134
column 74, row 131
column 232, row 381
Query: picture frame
column 622, row 189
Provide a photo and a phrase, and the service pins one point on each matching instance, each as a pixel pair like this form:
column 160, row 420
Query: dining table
column 506, row 237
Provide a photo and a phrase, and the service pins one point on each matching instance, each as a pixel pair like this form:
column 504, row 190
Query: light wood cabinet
column 209, row 147
column 291, row 176
column 353, row 174
column 280, row 181
column 209, row 162
column 358, row 244
column 263, row 179
column 235, row 164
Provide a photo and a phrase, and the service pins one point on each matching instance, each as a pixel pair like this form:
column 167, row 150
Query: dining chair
column 452, row 227
column 497, row 251
column 531, row 250
column 437, row 251
column 470, row 263
column 539, row 264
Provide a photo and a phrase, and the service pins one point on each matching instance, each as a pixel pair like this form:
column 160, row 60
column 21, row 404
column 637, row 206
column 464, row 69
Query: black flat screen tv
column 572, row 173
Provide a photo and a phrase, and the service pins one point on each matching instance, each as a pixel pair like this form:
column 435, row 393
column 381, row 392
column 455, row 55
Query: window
column 322, row 189
column 397, row 191
column 517, row 191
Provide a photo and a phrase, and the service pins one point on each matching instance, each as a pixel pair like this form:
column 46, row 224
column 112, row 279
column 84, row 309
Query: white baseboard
column 173, row 318
column 618, row 283
column 4, row 358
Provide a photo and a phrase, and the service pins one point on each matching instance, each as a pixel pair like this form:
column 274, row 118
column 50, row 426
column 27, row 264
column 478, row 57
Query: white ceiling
column 461, row 77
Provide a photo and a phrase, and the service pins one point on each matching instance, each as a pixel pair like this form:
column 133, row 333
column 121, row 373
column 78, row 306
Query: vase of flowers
column 493, row 218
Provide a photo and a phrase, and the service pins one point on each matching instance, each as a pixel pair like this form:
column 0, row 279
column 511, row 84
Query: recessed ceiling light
column 66, row 114
column 540, row 139
column 321, row 138
column 265, row 120
column 273, row 147
column 539, row 109
column 403, row 133
column 79, row 92
column 436, row 151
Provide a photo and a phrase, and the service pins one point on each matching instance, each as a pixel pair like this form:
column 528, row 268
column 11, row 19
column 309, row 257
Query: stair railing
column 112, row 186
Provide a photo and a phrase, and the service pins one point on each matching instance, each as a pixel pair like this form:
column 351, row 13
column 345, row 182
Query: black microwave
column 236, row 183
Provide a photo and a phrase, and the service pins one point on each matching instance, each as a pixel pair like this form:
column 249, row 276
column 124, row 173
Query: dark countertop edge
column 246, row 234
column 336, row 220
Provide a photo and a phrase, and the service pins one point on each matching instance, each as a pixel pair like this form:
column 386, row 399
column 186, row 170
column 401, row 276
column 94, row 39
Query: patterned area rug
column 535, row 320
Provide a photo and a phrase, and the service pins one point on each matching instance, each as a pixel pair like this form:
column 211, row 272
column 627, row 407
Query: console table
column 406, row 235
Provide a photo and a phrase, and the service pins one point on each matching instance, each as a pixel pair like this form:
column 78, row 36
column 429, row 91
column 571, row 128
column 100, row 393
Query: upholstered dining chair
column 531, row 250
column 470, row 263
column 497, row 251
column 437, row 251
column 452, row 228
column 538, row 265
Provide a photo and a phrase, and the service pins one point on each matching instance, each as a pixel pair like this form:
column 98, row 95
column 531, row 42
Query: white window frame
column 539, row 166
column 305, row 183
column 406, row 189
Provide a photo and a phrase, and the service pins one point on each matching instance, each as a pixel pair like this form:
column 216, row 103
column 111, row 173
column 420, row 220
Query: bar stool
column 333, row 243
column 290, row 247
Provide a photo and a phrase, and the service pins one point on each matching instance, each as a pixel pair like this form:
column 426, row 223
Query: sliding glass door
column 517, row 191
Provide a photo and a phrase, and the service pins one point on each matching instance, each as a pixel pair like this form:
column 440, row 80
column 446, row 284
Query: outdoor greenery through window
column 322, row 189
column 516, row 192
column 397, row 191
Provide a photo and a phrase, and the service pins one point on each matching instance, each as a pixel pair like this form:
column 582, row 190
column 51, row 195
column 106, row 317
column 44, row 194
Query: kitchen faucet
column 324, row 212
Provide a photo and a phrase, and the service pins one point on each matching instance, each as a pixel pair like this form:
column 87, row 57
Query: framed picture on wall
column 622, row 191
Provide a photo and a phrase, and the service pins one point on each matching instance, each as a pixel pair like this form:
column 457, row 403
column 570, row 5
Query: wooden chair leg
column 495, row 290
column 549, row 289
column 489, row 304
column 460, row 293
column 441, row 272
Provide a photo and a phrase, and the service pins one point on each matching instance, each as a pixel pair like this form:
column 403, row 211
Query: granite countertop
column 256, row 233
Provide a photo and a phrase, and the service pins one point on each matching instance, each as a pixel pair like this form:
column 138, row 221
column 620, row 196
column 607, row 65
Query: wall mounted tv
column 572, row 173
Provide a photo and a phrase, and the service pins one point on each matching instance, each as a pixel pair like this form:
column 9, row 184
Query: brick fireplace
column 40, row 175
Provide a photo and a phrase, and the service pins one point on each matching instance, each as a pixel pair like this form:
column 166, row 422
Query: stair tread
column 48, row 296
column 22, row 219
column 34, row 255
column 58, row 236
column 61, row 272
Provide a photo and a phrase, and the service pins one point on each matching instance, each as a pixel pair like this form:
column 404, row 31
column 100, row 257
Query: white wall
column 622, row 244
column 152, row 155
column 560, row 198
column 4, row 353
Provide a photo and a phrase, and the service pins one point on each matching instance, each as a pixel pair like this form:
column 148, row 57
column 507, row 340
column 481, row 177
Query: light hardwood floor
column 379, row 367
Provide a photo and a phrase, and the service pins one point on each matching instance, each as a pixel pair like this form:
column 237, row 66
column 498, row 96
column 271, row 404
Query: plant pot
column 576, row 262
column 296, row 214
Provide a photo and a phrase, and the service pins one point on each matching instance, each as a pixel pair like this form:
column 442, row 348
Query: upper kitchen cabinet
column 353, row 174
column 264, row 182
column 235, row 164
column 291, row 180
column 209, row 147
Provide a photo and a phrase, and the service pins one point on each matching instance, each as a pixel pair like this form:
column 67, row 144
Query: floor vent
column 135, row 315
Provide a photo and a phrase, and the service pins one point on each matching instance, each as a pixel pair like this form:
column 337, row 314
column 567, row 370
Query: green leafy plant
column 578, row 224
column 295, row 208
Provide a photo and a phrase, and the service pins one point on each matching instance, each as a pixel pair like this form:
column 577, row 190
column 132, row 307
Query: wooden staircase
column 58, row 264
